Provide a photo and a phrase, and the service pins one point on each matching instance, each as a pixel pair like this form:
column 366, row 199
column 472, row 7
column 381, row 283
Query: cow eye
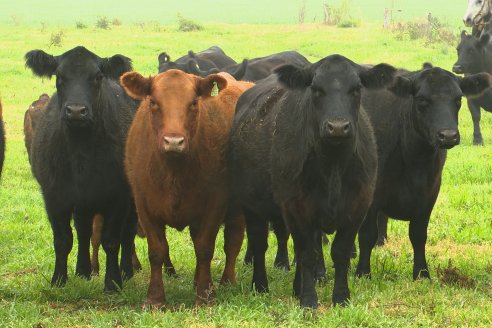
column 193, row 104
column 153, row 105
column 317, row 92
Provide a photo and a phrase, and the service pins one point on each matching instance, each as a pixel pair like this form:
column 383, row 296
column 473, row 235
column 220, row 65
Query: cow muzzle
column 174, row 144
column 448, row 138
column 337, row 130
column 458, row 69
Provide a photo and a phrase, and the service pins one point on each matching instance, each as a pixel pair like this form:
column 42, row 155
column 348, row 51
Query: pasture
column 460, row 231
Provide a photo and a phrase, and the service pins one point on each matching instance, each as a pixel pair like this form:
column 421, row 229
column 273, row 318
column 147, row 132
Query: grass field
column 460, row 231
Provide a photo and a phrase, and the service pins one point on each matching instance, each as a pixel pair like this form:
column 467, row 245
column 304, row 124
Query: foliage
column 431, row 31
column 80, row 25
column 187, row 25
column 116, row 22
column 56, row 39
column 340, row 15
column 102, row 23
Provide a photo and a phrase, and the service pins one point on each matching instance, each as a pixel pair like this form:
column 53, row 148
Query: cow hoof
column 309, row 301
column 151, row 304
column 59, row 281
column 112, row 287
column 170, row 271
column 478, row 141
column 320, row 276
column 341, row 299
column 380, row 242
column 421, row 274
column 260, row 288
column 283, row 265
column 362, row 273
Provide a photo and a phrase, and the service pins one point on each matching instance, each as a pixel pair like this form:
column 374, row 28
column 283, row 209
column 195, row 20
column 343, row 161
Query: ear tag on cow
column 215, row 90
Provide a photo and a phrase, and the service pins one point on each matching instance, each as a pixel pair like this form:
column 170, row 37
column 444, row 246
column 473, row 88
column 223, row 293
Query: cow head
column 79, row 77
column 333, row 88
column 471, row 54
column 476, row 11
column 174, row 100
column 437, row 97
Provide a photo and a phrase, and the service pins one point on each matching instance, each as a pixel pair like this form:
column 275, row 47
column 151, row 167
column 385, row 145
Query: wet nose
column 458, row 69
column 338, row 128
column 76, row 112
column 448, row 137
column 174, row 144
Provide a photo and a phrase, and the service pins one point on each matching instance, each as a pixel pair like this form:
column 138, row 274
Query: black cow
column 475, row 56
column 2, row 141
column 261, row 67
column 413, row 134
column 77, row 157
column 213, row 57
column 302, row 150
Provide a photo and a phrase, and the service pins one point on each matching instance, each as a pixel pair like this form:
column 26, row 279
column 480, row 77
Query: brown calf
column 176, row 167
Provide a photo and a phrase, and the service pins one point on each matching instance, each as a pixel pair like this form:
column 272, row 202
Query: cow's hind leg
column 282, row 234
column 368, row 234
column 257, row 230
column 168, row 265
column 128, row 244
column 476, row 115
column 97, row 223
column 83, row 226
column 382, row 229
column 233, row 240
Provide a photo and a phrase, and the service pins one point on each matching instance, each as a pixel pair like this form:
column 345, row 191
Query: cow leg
column 320, row 268
column 368, row 234
column 340, row 253
column 128, row 244
column 257, row 231
column 83, row 226
column 233, row 240
column 168, row 265
column 111, row 240
column 418, row 237
column 306, row 249
column 97, row 223
column 137, row 266
column 382, row 229
column 157, row 249
column 475, row 114
column 204, row 236
column 282, row 234
column 62, row 241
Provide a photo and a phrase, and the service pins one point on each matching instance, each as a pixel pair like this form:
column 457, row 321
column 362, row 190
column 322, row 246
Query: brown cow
column 175, row 164
column 31, row 119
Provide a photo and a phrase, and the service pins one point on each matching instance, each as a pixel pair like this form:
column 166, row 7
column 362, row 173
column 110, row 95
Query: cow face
column 436, row 101
column 174, row 100
column 333, row 87
column 471, row 54
column 79, row 77
column 475, row 11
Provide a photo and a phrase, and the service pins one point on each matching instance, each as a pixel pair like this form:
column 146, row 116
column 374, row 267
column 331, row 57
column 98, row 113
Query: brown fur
column 187, row 189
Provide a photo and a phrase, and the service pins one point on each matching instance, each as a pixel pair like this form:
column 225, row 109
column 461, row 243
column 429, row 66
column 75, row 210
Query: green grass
column 460, row 229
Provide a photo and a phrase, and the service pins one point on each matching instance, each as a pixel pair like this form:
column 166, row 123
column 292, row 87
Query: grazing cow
column 2, row 140
column 211, row 58
column 413, row 134
column 475, row 56
column 302, row 150
column 176, row 167
column 77, row 158
column 31, row 120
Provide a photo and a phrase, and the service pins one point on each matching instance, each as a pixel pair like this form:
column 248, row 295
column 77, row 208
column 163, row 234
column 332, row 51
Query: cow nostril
column 68, row 111
column 330, row 127
column 83, row 112
column 346, row 128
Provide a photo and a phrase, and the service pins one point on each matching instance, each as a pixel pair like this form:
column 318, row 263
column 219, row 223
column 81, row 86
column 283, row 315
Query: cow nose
column 174, row 144
column 468, row 21
column 338, row 128
column 458, row 69
column 76, row 112
column 448, row 137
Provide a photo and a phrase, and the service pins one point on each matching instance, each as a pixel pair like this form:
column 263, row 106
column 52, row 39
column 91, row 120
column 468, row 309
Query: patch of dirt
column 452, row 276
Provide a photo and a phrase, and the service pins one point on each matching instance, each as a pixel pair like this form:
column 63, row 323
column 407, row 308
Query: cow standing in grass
column 413, row 134
column 302, row 150
column 176, row 167
column 77, row 158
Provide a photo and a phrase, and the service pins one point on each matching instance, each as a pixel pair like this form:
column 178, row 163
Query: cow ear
column 378, row 76
column 193, row 68
column 191, row 54
column 41, row 63
column 163, row 58
column 135, row 85
column 293, row 77
column 114, row 67
column 427, row 65
column 211, row 85
column 240, row 70
column 484, row 40
column 402, row 87
column 475, row 84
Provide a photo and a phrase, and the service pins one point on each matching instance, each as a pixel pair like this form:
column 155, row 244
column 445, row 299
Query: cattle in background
column 475, row 56
column 31, row 119
column 2, row 140
column 176, row 167
column 302, row 150
column 261, row 67
column 413, row 134
column 211, row 58
column 77, row 158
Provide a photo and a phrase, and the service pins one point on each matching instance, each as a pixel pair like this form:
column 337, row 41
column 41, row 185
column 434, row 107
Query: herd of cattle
column 312, row 148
